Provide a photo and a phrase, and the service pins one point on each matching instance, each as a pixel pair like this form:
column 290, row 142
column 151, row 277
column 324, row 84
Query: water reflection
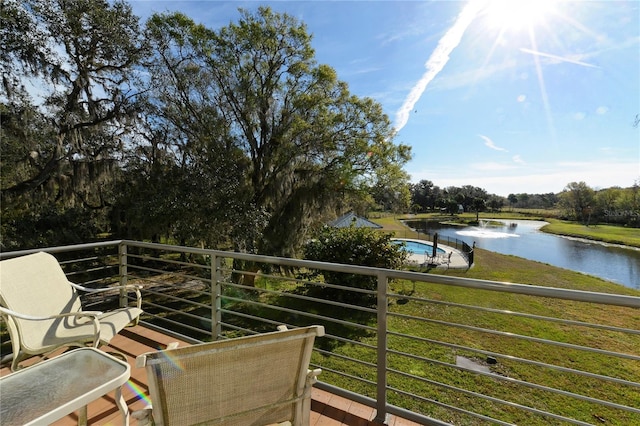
column 523, row 238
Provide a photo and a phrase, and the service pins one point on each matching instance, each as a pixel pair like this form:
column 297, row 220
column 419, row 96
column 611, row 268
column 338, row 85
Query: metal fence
column 465, row 249
column 429, row 348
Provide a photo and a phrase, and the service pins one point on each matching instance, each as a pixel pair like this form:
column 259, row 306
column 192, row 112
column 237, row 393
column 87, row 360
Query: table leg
column 82, row 416
column 122, row 406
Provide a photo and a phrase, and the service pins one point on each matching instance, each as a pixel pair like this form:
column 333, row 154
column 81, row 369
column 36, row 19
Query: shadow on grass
column 182, row 311
column 288, row 309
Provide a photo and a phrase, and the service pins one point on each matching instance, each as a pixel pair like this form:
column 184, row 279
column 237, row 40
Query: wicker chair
column 43, row 311
column 256, row 380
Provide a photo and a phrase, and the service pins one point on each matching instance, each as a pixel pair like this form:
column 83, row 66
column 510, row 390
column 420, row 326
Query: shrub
column 354, row 246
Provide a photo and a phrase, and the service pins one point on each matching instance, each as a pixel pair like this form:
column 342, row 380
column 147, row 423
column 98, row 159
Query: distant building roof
column 350, row 218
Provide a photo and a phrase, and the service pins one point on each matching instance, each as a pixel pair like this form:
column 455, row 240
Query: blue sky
column 512, row 96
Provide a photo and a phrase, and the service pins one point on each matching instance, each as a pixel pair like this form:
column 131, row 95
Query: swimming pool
column 418, row 247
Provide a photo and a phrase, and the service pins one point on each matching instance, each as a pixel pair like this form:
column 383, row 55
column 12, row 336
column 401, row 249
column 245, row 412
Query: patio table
column 51, row 389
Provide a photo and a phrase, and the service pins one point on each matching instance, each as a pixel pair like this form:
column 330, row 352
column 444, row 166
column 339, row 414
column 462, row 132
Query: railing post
column 216, row 298
column 381, row 390
column 122, row 270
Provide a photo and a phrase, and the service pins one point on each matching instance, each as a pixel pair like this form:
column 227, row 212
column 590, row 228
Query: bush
column 354, row 246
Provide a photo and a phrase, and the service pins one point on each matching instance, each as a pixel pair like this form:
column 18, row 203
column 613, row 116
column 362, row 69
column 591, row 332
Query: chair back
column 259, row 379
column 35, row 285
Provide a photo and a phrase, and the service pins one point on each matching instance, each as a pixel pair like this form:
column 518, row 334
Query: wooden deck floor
column 327, row 409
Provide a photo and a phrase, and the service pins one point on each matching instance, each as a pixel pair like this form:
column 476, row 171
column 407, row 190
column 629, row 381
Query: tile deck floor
column 327, row 409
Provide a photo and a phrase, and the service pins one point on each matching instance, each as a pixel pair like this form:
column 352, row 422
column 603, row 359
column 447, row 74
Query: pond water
column 523, row 238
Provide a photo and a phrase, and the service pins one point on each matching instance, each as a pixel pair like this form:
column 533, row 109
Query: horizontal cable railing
column 434, row 349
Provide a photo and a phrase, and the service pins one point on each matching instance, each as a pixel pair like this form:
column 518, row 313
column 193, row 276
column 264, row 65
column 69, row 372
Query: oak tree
column 293, row 140
column 68, row 77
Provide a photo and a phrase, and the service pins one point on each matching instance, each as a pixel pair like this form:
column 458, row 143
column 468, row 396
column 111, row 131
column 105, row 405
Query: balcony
column 411, row 348
column 327, row 409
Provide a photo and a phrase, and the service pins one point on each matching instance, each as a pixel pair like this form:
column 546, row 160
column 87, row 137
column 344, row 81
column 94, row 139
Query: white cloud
column 488, row 142
column 602, row 110
column 518, row 159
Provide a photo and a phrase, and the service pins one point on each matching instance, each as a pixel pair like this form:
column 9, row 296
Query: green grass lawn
column 607, row 233
column 504, row 268
column 494, row 266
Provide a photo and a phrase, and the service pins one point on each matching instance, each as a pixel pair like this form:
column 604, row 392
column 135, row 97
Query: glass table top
column 74, row 378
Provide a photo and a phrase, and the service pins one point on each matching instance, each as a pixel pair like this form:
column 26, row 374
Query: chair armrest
column 93, row 315
column 135, row 288
column 9, row 312
column 312, row 376
column 96, row 290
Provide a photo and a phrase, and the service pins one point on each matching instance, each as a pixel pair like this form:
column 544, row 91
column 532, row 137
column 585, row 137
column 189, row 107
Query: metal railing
column 429, row 348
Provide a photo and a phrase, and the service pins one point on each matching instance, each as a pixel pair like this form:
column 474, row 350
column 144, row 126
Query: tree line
column 426, row 196
column 577, row 201
column 613, row 205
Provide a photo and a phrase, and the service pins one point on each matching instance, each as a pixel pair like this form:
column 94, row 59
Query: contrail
column 559, row 58
column 438, row 59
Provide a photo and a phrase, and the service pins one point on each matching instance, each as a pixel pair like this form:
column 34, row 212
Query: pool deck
column 452, row 259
